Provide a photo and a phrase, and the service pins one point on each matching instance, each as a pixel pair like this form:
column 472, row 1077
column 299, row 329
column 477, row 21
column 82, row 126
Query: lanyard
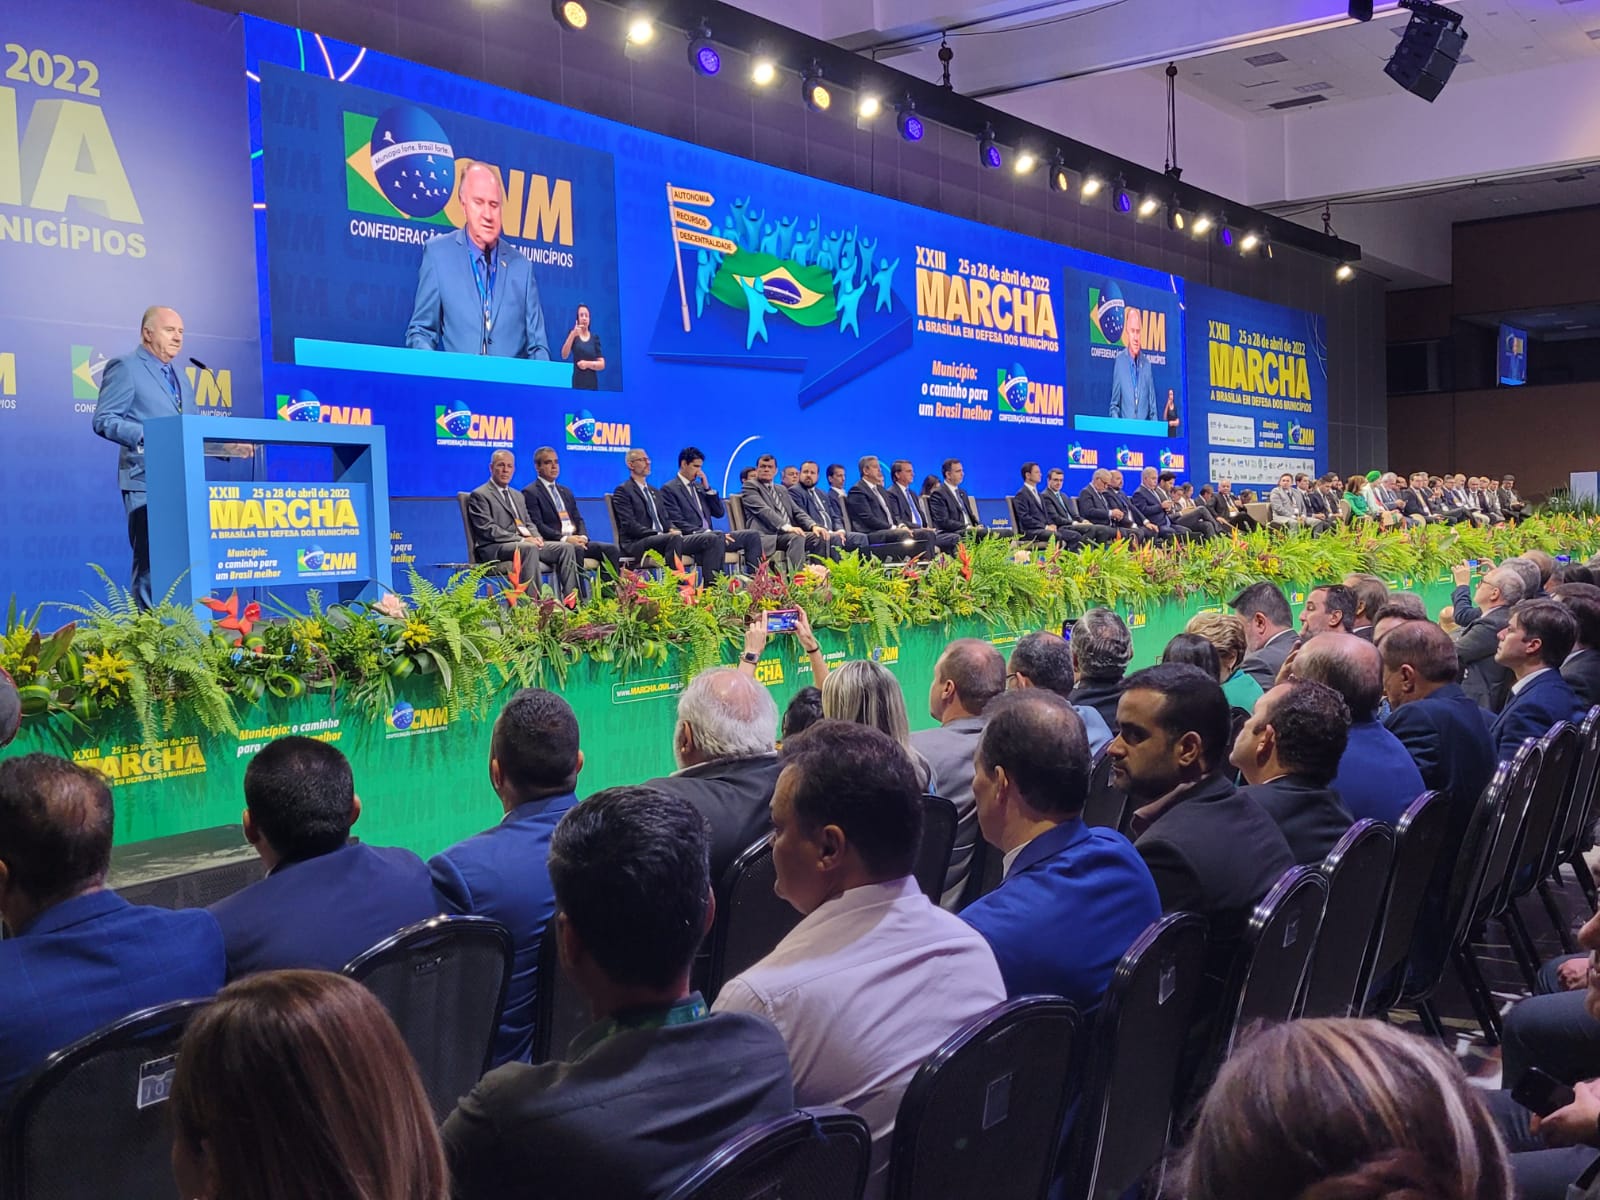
column 485, row 288
column 688, row 1010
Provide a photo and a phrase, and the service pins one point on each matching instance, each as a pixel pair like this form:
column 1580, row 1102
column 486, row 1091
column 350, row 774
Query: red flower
column 234, row 621
column 519, row 587
column 571, row 601
column 966, row 560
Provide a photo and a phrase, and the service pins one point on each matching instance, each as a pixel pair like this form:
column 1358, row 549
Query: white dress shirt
column 863, row 990
column 1516, row 688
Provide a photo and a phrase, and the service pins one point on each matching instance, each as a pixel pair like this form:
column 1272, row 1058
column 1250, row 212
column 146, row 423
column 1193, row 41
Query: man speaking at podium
column 134, row 388
column 475, row 296
column 1133, row 386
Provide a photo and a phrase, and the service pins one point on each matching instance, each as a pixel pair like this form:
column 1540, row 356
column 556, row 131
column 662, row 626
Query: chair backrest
column 983, row 1115
column 751, row 920
column 1135, row 1052
column 1504, row 856
column 972, row 510
column 611, row 516
column 1104, row 806
column 466, row 528
column 1276, row 951
column 1357, row 870
column 1554, row 771
column 938, row 842
column 735, row 506
column 443, row 981
column 1419, row 841
column 91, row 1122
column 811, row 1154
column 587, row 505
column 844, row 517
column 1580, row 812
column 560, row 1010
column 1011, row 512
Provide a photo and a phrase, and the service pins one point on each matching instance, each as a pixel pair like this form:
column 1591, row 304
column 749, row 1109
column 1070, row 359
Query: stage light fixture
column 868, row 107
column 1264, row 249
column 1060, row 177
column 988, row 153
column 704, row 56
column 813, row 91
column 1176, row 221
column 1024, row 162
column 1249, row 242
column 907, row 121
column 1202, row 225
column 1121, row 197
column 763, row 71
column 1344, row 273
column 1090, row 188
column 1148, row 205
column 570, row 13
column 641, row 31
column 1225, row 237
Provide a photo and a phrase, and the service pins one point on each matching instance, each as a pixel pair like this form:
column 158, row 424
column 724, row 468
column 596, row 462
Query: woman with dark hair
column 295, row 1084
column 1335, row 1109
column 1195, row 650
column 585, row 343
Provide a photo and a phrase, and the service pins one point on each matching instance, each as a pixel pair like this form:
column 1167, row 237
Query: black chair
column 812, row 1154
column 443, row 981
column 560, row 1011
column 1571, row 842
column 1357, row 870
column 1135, row 1051
column 938, row 841
column 983, row 1115
column 91, row 1121
column 1419, row 841
column 751, row 920
column 1561, row 751
column 1104, row 807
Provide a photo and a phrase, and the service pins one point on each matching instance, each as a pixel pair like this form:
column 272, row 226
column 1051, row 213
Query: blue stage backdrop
column 122, row 184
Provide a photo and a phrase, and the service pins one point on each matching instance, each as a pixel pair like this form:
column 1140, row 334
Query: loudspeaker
column 1427, row 54
column 1361, row 10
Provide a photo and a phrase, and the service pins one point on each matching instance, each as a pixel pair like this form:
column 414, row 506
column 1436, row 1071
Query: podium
column 217, row 536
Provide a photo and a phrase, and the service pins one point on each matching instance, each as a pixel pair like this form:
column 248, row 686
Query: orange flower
column 519, row 587
column 965, row 559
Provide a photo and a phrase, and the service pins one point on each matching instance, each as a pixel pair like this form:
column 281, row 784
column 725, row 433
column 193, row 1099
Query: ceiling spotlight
column 1060, row 178
column 1344, row 272
column 1091, row 186
column 570, row 13
column 1024, row 162
column 763, row 71
column 703, row 55
column 907, row 121
column 1249, row 242
column 812, row 90
column 1225, row 236
column 988, row 153
column 1148, row 206
column 1121, row 197
column 868, row 107
column 1202, row 225
column 1264, row 249
column 641, row 31
column 1176, row 221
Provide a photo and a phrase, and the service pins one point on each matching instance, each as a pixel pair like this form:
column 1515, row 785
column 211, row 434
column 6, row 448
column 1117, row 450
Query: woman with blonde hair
column 1338, row 1109
column 1225, row 631
column 294, row 1084
column 867, row 693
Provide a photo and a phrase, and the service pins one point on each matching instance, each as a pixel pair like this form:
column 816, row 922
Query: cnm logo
column 212, row 389
column 8, row 374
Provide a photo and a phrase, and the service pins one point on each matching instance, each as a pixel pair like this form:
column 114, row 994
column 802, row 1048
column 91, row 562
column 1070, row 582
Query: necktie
column 172, row 383
column 911, row 503
column 695, row 500
column 650, row 502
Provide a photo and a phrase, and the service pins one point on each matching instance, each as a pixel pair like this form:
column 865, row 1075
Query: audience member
column 867, row 693
column 656, row 1083
column 1044, row 660
column 500, row 873
column 1288, row 753
column 1226, row 633
column 297, row 1083
column 1581, row 670
column 1376, row 777
column 326, row 898
column 1532, row 646
column 1483, row 678
column 78, row 956
column 1343, row 1110
column 1328, row 607
column 804, row 711
column 727, row 759
column 1102, row 647
column 1546, row 563
column 875, row 977
column 1269, row 631
column 1074, row 898
column 1193, row 649
column 1371, row 594
column 1209, row 849
column 1399, row 607
column 968, row 675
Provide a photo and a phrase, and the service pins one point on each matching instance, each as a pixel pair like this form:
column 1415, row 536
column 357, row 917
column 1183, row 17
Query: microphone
column 199, row 364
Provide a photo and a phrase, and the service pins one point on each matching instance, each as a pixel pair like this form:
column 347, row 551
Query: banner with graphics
column 289, row 533
column 1258, row 388
column 124, row 183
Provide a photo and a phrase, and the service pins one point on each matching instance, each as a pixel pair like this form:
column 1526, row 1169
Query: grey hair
column 1101, row 645
column 731, row 714
column 868, row 694
column 1529, row 572
column 865, row 461
column 1508, row 580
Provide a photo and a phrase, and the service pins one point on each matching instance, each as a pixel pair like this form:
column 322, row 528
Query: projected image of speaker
column 1428, row 51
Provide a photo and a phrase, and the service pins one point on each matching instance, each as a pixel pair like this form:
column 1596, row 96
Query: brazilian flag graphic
column 804, row 294
column 362, row 193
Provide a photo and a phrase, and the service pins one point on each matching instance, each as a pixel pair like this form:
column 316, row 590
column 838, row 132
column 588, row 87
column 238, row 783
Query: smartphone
column 1472, row 564
column 1541, row 1093
column 1066, row 628
column 783, row 620
column 1563, row 558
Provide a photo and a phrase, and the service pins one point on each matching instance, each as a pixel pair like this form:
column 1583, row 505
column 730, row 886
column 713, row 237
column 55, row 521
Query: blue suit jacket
column 1073, row 902
column 1443, row 733
column 677, row 506
column 133, row 389
column 1377, row 776
column 503, row 874
column 1546, row 699
column 1133, row 390
column 321, row 912
column 448, row 313
column 1148, row 507
column 91, row 960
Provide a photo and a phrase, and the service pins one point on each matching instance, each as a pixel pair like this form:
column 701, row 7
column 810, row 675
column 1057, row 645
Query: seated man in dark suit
column 1036, row 524
column 1149, row 507
column 1101, row 648
column 1226, row 508
column 1288, row 752
column 1582, row 668
column 501, row 527
column 781, row 523
column 556, row 516
column 643, row 524
column 326, row 898
column 837, row 497
column 79, row 956
column 1101, row 504
column 888, row 535
column 825, row 511
column 1533, row 646
column 1074, row 898
column 1511, row 503
column 657, row 1083
column 950, row 509
column 1484, row 680
column 726, row 749
column 1415, row 499
column 1268, row 631
column 689, row 503
column 1210, row 850
column 500, row 873
column 903, row 503
column 1063, row 510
